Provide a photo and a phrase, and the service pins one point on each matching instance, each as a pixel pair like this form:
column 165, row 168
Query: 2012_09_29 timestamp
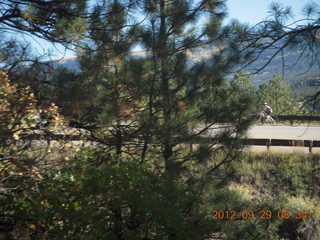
column 263, row 214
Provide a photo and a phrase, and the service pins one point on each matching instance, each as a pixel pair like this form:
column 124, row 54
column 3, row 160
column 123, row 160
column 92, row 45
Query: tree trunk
column 163, row 54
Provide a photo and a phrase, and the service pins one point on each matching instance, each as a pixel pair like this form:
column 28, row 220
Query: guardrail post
column 268, row 144
column 310, row 146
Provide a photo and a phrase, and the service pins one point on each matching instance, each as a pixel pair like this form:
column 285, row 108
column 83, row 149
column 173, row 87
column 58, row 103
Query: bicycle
column 265, row 118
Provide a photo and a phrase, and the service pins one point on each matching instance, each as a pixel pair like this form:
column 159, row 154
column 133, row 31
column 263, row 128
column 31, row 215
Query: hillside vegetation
column 140, row 169
column 276, row 183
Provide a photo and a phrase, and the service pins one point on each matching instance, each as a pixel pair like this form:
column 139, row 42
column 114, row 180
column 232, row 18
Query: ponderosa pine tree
column 158, row 102
column 53, row 20
column 149, row 109
column 154, row 107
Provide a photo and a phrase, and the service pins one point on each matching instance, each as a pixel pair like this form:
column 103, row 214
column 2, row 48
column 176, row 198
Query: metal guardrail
column 282, row 142
column 298, row 118
column 53, row 137
column 268, row 142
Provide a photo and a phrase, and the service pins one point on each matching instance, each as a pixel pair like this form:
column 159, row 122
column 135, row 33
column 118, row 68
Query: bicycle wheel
column 272, row 119
column 276, row 119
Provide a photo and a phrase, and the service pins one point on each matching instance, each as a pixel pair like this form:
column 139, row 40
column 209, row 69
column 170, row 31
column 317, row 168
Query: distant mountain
column 291, row 65
column 68, row 63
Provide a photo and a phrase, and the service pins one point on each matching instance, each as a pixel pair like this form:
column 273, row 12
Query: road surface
column 285, row 132
column 302, row 132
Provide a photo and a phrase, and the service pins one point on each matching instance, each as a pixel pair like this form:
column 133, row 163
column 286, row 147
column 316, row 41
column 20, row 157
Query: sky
column 246, row 11
column 253, row 11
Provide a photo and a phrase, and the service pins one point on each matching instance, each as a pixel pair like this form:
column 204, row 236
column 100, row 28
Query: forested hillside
column 299, row 73
column 296, row 69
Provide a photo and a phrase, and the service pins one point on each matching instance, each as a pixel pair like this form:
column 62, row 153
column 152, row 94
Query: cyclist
column 265, row 114
column 267, row 110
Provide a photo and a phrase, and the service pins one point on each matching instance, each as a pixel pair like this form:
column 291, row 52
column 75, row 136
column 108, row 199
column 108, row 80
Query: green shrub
column 274, row 182
column 106, row 197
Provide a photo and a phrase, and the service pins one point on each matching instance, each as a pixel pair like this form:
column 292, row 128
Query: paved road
column 302, row 132
column 285, row 132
